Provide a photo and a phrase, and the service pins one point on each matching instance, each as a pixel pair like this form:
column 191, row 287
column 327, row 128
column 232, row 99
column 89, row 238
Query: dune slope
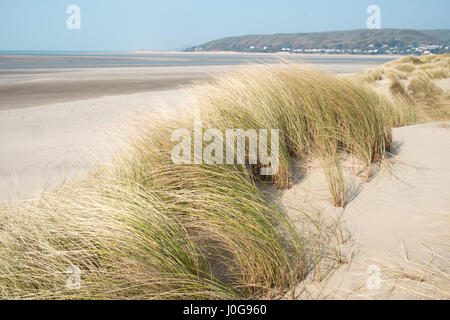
column 398, row 223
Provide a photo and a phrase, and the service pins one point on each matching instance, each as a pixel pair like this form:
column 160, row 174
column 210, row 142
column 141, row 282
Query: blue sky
column 126, row 25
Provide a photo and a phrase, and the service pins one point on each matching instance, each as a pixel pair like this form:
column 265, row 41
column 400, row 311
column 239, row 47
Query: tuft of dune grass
column 369, row 75
column 124, row 241
column 141, row 227
column 405, row 67
column 215, row 237
column 388, row 71
column 435, row 66
column 422, row 86
column 397, row 86
column 420, row 99
column 315, row 112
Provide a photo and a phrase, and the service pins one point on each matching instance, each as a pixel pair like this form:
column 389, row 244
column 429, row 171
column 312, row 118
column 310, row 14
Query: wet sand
column 23, row 89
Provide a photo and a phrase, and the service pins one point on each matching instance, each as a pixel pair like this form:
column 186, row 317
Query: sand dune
column 398, row 222
column 52, row 122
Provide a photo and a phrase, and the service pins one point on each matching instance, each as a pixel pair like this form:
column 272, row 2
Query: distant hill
column 357, row 41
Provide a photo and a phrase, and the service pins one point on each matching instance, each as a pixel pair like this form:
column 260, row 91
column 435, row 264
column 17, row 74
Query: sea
column 20, row 60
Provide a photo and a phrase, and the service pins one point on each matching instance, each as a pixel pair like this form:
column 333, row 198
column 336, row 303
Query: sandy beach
column 42, row 146
column 55, row 125
column 21, row 89
column 53, row 121
column 225, row 159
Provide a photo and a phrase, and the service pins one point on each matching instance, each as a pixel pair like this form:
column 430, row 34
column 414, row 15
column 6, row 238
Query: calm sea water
column 10, row 60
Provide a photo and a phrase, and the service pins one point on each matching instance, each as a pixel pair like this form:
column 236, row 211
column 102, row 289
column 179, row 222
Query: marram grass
column 415, row 96
column 315, row 112
column 132, row 242
column 141, row 227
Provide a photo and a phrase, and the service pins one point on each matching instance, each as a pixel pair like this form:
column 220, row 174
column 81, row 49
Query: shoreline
column 24, row 90
column 33, row 87
column 312, row 55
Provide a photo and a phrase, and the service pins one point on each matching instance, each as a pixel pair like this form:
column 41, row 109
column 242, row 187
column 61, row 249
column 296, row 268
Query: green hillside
column 365, row 39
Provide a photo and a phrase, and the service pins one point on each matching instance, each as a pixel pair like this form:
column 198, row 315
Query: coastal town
column 371, row 49
column 376, row 49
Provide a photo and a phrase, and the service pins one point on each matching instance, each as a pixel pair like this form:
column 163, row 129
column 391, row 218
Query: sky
column 128, row 25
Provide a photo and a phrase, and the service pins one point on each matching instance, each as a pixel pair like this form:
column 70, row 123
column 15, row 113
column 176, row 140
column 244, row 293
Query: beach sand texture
column 397, row 223
column 55, row 125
